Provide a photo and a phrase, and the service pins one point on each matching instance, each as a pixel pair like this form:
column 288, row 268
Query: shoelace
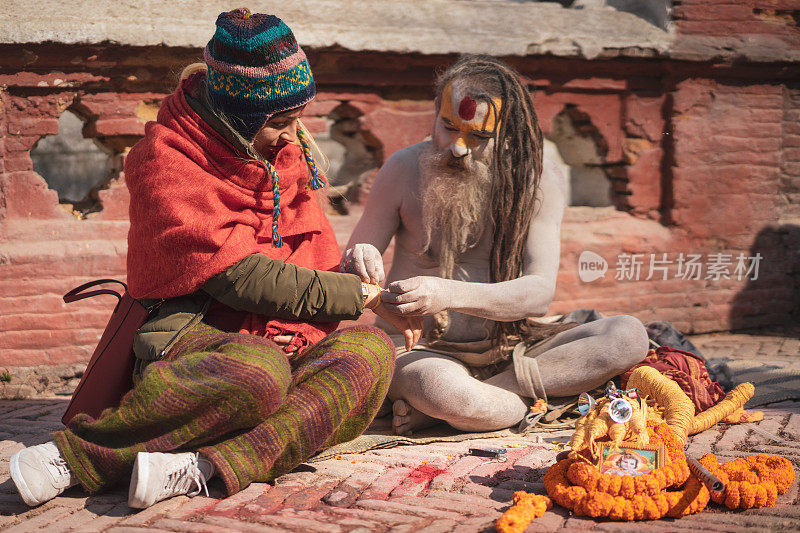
column 59, row 471
column 60, row 465
column 186, row 473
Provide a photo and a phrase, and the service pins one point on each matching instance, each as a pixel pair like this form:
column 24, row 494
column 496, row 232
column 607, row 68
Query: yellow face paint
column 472, row 121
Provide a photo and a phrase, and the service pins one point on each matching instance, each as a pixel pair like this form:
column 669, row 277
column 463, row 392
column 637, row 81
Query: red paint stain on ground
column 424, row 474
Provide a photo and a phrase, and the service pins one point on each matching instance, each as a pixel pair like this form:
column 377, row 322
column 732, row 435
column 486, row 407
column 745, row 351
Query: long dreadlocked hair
column 516, row 170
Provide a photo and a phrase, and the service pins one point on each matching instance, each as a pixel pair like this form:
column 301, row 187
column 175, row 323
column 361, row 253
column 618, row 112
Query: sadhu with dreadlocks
column 476, row 214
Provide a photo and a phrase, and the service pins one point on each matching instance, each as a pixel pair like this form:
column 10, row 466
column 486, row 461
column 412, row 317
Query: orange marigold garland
column 640, row 506
column 674, row 473
column 754, row 481
column 577, row 484
column 526, row 507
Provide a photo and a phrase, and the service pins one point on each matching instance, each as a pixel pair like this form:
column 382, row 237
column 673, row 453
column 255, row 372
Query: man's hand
column 365, row 261
column 421, row 295
column 410, row 326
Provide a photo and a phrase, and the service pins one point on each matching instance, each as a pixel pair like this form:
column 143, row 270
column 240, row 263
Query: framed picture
column 630, row 459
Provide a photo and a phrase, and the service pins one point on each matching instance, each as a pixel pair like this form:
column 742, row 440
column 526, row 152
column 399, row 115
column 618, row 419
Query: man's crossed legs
column 429, row 386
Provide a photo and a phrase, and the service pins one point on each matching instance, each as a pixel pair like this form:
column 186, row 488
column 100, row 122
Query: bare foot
column 406, row 419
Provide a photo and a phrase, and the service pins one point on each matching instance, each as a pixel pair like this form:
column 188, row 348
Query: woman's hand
column 283, row 341
column 410, row 326
column 365, row 261
column 420, row 295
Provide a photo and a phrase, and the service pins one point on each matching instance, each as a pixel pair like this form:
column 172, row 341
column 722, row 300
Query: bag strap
column 77, row 293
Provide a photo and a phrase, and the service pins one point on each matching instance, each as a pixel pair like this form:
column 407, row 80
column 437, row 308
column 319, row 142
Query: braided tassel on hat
column 277, row 240
column 316, row 182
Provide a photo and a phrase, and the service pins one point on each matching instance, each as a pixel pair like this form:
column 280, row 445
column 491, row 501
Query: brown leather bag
column 109, row 373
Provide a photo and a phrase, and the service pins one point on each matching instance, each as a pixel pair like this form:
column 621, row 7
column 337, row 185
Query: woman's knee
column 363, row 356
column 367, row 342
column 258, row 376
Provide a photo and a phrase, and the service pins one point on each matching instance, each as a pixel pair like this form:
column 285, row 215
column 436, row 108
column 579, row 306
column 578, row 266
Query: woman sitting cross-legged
column 241, row 374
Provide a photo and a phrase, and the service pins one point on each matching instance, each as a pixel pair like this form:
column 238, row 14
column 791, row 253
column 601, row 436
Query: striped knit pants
column 240, row 402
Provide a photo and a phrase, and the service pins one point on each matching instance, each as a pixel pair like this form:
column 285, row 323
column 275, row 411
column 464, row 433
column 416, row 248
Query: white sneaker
column 158, row 476
column 40, row 473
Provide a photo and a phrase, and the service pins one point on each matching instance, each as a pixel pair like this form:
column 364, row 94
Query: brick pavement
column 431, row 488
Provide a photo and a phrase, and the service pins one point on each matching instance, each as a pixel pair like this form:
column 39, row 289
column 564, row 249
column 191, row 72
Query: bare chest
column 472, row 265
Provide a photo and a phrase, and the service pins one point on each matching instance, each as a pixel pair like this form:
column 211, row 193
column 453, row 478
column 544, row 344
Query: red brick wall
column 748, row 30
column 776, row 20
column 727, row 191
column 790, row 161
column 703, row 158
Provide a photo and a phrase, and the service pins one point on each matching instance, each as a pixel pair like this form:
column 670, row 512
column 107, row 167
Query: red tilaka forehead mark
column 467, row 107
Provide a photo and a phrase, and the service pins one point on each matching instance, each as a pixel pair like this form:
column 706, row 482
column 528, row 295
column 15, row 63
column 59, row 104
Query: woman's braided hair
column 516, row 173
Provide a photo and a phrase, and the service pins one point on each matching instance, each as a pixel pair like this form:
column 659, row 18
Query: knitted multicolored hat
column 255, row 69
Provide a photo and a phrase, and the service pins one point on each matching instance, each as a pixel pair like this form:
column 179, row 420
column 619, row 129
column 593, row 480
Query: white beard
column 455, row 204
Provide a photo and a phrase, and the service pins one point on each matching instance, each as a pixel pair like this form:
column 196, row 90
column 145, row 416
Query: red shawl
column 198, row 206
column 688, row 371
